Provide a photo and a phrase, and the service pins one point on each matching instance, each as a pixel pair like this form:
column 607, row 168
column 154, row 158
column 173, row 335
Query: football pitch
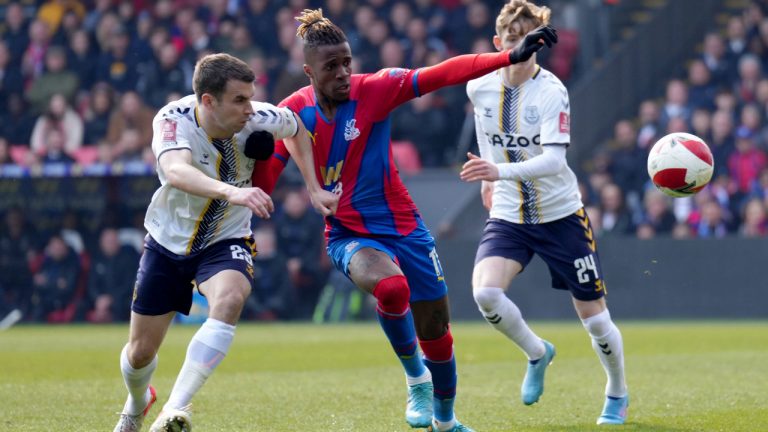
column 682, row 376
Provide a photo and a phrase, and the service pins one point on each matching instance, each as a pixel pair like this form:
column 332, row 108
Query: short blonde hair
column 521, row 10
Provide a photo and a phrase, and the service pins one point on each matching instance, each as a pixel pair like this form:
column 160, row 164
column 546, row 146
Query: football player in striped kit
column 199, row 230
column 522, row 119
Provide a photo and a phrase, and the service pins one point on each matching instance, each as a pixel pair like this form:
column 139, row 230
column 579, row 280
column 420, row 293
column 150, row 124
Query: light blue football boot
column 533, row 383
column 614, row 411
column 418, row 411
column 458, row 427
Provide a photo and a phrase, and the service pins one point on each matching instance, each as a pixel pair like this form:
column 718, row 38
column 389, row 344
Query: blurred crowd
column 80, row 82
column 720, row 95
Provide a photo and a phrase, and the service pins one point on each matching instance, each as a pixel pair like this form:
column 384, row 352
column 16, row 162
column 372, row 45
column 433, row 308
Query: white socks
column 137, row 382
column 505, row 317
column 606, row 340
column 425, row 377
column 206, row 350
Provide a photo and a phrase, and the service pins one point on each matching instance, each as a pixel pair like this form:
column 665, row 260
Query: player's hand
column 476, row 169
column 259, row 145
column 486, row 193
column 324, row 202
column 532, row 42
column 255, row 199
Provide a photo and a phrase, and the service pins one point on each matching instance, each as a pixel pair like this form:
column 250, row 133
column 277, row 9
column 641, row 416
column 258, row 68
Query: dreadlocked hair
column 521, row 10
column 317, row 30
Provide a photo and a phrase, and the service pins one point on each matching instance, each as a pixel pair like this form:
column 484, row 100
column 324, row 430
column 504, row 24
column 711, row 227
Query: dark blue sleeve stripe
column 281, row 157
column 416, row 83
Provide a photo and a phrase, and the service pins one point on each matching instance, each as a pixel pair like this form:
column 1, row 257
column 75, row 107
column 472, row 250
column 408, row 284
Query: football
column 680, row 164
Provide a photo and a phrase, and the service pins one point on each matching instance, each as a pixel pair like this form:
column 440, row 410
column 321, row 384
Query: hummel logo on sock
column 495, row 319
column 604, row 348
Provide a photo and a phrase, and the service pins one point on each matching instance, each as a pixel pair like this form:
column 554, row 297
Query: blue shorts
column 165, row 281
column 415, row 254
column 566, row 245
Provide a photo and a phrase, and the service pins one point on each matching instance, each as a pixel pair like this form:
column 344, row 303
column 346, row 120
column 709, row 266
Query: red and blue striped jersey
column 352, row 151
column 353, row 156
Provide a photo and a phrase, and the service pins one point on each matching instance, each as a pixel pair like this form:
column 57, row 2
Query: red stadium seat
column 406, row 157
column 19, row 154
column 86, row 155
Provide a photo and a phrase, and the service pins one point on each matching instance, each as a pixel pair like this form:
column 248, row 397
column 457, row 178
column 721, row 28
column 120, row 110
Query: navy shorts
column 415, row 254
column 566, row 245
column 165, row 281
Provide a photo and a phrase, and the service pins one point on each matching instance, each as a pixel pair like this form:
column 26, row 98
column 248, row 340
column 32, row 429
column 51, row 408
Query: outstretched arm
column 300, row 147
column 463, row 68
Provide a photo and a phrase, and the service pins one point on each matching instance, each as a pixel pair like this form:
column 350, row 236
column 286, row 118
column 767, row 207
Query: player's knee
column 140, row 354
column 487, row 298
column 598, row 325
column 392, row 294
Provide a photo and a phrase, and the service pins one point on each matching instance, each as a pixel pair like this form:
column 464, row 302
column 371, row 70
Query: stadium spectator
column 129, row 148
column 754, row 219
column 260, row 19
column 270, row 297
column 53, row 12
column 11, row 80
column 111, row 278
column 736, row 40
column 71, row 22
column 59, row 116
column 722, row 142
column 17, row 123
column 712, row 222
column 615, row 219
column 298, row 242
column 720, row 65
column 15, row 33
column 657, row 214
column 116, row 65
column 242, row 46
column 54, row 140
column 292, row 75
column 750, row 73
column 164, row 77
column 131, row 113
column 649, row 128
column 80, row 59
column 701, row 124
column 97, row 114
column 56, row 79
column 676, row 103
column 19, row 246
column 421, row 123
column 33, row 60
column 746, row 163
column 623, row 155
column 5, row 152
column 55, row 284
column 701, row 91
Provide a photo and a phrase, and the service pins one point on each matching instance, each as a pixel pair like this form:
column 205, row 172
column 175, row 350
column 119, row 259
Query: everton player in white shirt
column 199, row 229
column 522, row 119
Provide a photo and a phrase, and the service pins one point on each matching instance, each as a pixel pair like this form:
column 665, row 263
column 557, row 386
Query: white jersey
column 512, row 123
column 184, row 223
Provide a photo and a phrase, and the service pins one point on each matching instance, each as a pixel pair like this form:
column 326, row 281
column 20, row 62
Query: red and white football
column 680, row 164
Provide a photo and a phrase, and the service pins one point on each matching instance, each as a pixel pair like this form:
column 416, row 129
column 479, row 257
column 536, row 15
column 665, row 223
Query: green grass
column 683, row 376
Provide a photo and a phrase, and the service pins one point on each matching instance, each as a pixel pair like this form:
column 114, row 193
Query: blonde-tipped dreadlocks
column 316, row 30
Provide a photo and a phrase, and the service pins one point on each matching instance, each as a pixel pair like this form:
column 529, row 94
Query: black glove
column 531, row 43
column 260, row 145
